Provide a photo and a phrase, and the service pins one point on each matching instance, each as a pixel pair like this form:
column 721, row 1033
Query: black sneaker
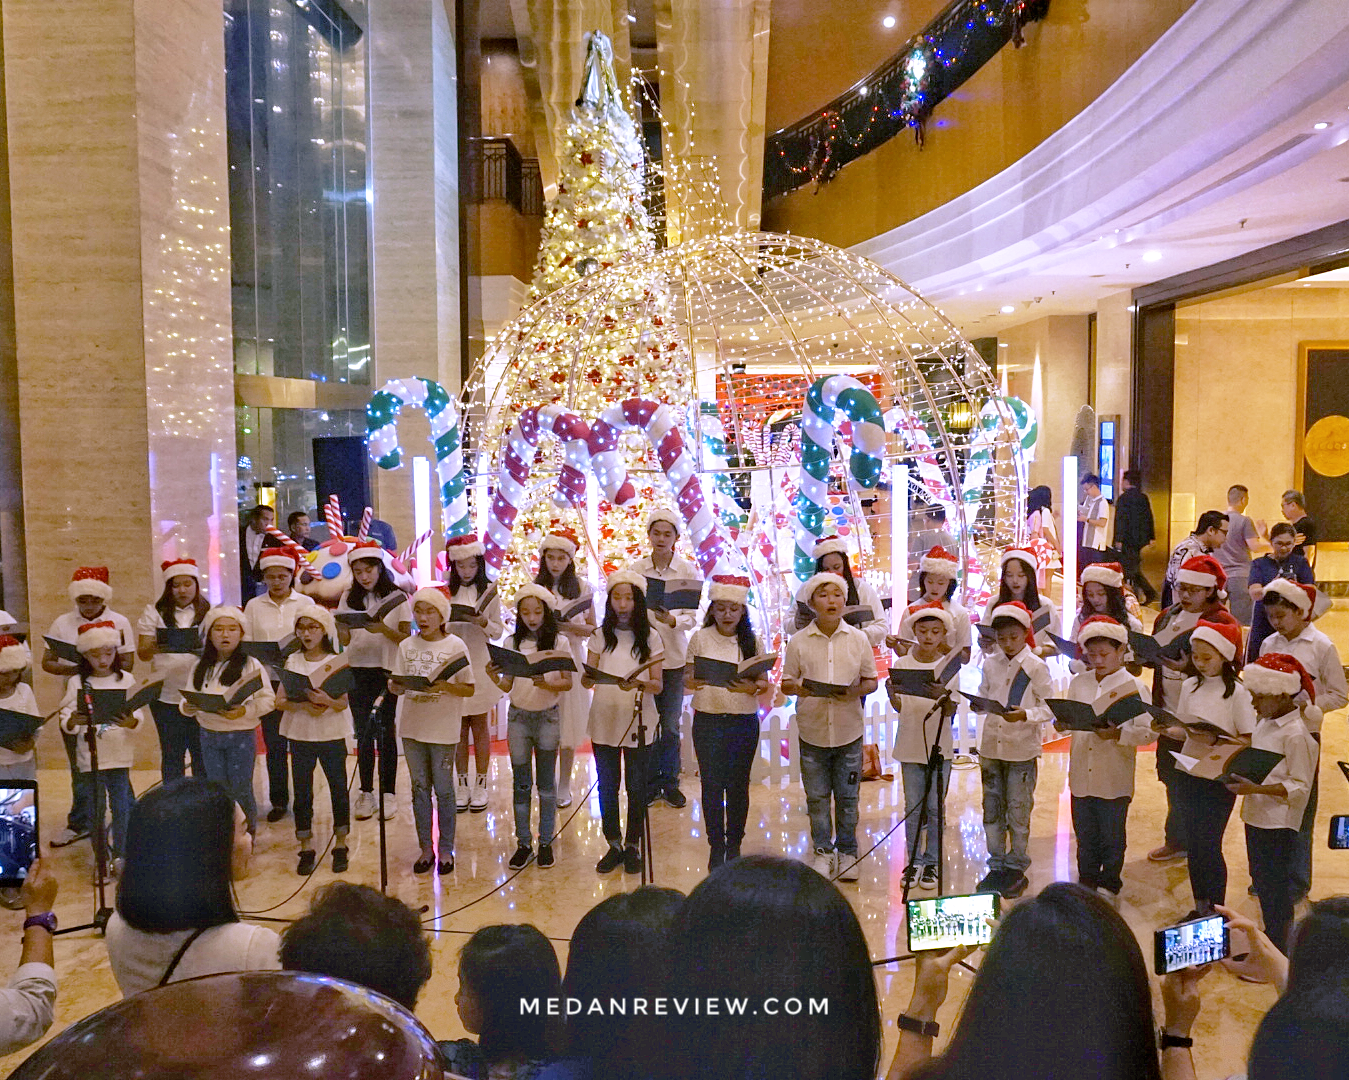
column 715, row 858
column 276, row 813
column 676, row 798
column 523, row 854
column 546, row 856
column 654, row 797
column 632, row 861
column 1015, row 885
column 612, row 860
column 929, row 878
column 340, row 860
column 911, row 876
column 308, row 860
column 991, row 881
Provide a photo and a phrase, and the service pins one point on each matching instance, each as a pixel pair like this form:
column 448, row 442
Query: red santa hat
column 728, row 587
column 662, row 514
column 1015, row 609
column 94, row 635
column 832, row 545
column 1102, row 626
column 538, row 592
column 90, row 581
column 625, row 577
column 368, row 549
column 929, row 610
column 939, row 561
column 435, row 595
column 14, row 654
column 1302, row 597
column 807, row 590
column 172, row 568
column 560, row 540
column 1109, row 574
column 1027, row 557
column 279, row 556
column 1279, row 673
column 463, row 547
column 1202, row 570
column 1223, row 636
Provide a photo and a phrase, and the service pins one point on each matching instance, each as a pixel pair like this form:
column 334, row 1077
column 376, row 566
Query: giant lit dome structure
column 756, row 319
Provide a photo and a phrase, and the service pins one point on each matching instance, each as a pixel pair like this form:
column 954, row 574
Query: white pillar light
column 1068, row 612
column 421, row 517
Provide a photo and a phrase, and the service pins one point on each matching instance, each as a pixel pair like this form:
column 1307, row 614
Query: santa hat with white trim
column 626, row 577
column 1302, row 597
column 372, row 550
column 939, row 561
column 321, row 615
column 662, row 514
column 14, row 654
column 221, row 611
column 1225, row 637
column 95, row 635
column 538, row 592
column 1202, row 570
column 1109, row 574
column 832, row 545
column 560, row 540
column 463, row 547
column 172, row 568
column 89, row 581
column 1027, row 557
column 728, row 587
column 1102, row 626
column 279, row 556
column 929, row 610
column 435, row 595
column 1279, row 673
column 807, row 590
column 1015, row 609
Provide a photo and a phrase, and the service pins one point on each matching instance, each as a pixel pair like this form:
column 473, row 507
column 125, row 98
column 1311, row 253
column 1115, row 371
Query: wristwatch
column 1166, row 1041
column 930, row 1028
column 46, row 920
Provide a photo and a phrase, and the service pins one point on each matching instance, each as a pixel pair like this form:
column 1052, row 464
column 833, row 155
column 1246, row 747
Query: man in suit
column 252, row 539
column 1134, row 531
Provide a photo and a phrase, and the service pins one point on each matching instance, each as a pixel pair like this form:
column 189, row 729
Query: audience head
column 1131, row 478
column 185, row 841
column 1319, row 955
column 1283, row 539
column 1238, row 497
column 1039, row 498
column 1212, row 528
column 261, row 518
column 1062, row 994
column 297, row 524
column 1091, row 484
column 357, row 933
column 1304, row 1036
column 766, row 927
column 1293, row 505
column 499, row 968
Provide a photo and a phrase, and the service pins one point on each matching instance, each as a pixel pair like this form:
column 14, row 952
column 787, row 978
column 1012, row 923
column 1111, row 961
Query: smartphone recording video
column 947, row 921
column 1199, row 941
column 1339, row 832
column 18, row 830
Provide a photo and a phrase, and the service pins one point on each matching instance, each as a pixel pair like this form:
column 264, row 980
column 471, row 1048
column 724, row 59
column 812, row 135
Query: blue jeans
column 664, row 763
column 431, row 768
column 832, row 771
column 81, row 790
column 1009, row 797
column 725, row 744
column 533, row 736
column 179, row 741
column 228, row 759
column 114, row 787
column 915, row 780
column 629, row 763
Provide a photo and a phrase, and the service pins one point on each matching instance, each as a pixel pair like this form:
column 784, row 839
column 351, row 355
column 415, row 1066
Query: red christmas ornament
column 583, row 223
column 587, row 158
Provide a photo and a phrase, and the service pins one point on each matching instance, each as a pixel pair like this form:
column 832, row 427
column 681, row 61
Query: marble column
column 415, row 271
column 119, row 223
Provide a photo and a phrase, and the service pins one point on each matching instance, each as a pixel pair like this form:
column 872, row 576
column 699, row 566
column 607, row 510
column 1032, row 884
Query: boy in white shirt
column 1101, row 765
column 1273, row 810
column 1009, row 748
column 829, row 725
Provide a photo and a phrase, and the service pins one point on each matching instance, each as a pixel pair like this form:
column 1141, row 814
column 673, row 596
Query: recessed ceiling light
column 632, row 18
column 1002, row 344
column 1321, row 126
column 888, row 22
column 1008, row 309
column 1152, row 256
column 862, row 91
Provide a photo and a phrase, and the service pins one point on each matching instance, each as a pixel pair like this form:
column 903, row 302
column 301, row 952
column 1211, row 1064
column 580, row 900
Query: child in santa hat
column 1016, row 581
column 938, row 571
column 180, row 606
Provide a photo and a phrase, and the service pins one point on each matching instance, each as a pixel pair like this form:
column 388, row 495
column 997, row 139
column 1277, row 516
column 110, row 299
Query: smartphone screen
column 18, row 830
column 947, row 921
column 1339, row 831
column 1200, row 941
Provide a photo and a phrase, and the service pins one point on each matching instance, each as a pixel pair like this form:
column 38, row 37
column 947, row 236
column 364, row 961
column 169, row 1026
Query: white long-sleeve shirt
column 1286, row 735
column 20, row 699
column 919, row 722
column 1104, row 768
column 116, row 744
column 486, row 693
column 1202, row 699
column 1002, row 739
column 27, row 1006
column 1317, row 653
column 674, row 639
column 256, row 705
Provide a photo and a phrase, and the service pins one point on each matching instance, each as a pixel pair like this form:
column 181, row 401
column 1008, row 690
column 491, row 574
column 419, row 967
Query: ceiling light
column 862, row 91
column 888, row 22
column 1008, row 309
column 1320, row 126
column 632, row 18
column 1152, row 256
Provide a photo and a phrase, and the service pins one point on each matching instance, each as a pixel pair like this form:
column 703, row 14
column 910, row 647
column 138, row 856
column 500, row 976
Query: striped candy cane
column 286, row 542
column 332, row 514
column 367, row 515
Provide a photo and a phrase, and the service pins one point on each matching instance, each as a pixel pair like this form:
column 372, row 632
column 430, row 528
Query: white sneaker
column 479, row 801
column 66, row 837
column 365, row 805
column 564, row 799
column 462, row 796
column 847, row 866
column 822, row 862
column 390, row 805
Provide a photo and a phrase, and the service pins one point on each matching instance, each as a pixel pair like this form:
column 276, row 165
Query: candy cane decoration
column 367, row 515
column 411, row 550
column 286, row 542
column 714, row 453
column 827, row 398
column 332, row 514
column 446, row 440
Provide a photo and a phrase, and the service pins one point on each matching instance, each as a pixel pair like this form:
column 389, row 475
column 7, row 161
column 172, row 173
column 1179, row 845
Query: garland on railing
column 900, row 94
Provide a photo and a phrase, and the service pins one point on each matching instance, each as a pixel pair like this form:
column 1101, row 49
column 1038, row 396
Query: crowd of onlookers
column 1063, row 990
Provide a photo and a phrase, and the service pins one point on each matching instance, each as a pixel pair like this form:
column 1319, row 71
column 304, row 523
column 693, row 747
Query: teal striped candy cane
column 381, row 419
column 715, row 458
column 828, row 401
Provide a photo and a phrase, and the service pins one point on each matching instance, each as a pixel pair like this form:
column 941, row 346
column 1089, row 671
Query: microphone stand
column 934, row 764
column 644, row 842
column 379, row 774
column 103, row 912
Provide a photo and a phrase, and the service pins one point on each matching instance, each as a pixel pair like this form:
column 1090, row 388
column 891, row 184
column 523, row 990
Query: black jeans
column 374, row 728
column 1131, row 559
column 1167, row 773
column 1270, row 853
column 725, row 745
column 278, row 780
column 332, row 757
column 179, row 740
column 1205, row 806
column 81, row 814
column 1100, row 828
column 609, row 762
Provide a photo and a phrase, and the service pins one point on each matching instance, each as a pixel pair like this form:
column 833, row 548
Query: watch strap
column 46, row 920
column 1166, row 1042
column 930, row 1028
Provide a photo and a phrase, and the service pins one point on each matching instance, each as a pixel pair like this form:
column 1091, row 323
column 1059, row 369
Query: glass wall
column 276, row 452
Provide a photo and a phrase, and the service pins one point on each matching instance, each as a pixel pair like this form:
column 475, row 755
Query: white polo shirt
column 840, row 658
column 1001, row 739
column 1103, row 768
column 1317, row 653
column 1286, row 735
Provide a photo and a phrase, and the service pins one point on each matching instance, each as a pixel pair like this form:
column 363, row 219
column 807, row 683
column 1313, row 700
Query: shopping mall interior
column 890, row 272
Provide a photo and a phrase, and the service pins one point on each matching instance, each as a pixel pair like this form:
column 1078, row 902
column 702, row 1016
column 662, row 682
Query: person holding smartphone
column 28, row 1001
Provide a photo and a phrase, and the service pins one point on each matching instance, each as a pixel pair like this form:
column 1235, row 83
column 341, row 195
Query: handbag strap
column 178, row 956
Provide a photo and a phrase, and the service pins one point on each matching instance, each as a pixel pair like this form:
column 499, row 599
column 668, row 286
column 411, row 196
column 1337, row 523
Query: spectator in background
column 1244, row 538
column 1208, row 537
column 252, row 539
column 1134, row 532
column 1042, row 534
column 382, row 531
column 1294, row 508
column 28, row 1000
column 927, row 529
column 297, row 525
column 1283, row 561
column 1093, row 515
